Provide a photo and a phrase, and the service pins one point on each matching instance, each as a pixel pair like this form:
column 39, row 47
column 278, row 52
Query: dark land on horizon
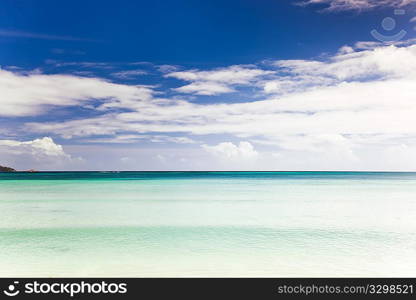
column 6, row 169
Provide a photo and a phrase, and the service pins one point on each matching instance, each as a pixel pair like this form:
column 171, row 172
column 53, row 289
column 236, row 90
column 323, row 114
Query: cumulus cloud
column 340, row 5
column 40, row 154
column 228, row 150
column 39, row 148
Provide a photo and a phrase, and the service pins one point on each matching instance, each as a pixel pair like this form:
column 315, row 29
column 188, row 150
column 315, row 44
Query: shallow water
column 208, row 224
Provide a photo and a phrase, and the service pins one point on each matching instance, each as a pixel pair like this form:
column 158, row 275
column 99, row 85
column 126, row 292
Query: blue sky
column 189, row 33
column 198, row 85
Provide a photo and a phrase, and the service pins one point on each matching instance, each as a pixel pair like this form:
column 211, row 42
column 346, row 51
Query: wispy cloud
column 34, row 93
column 342, row 5
column 129, row 74
column 167, row 68
column 81, row 64
column 218, row 81
column 41, row 36
column 134, row 138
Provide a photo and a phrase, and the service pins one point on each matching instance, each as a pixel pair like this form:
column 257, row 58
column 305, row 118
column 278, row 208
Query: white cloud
column 371, row 45
column 375, row 64
column 232, row 75
column 357, row 66
column 206, row 88
column 81, row 64
column 39, row 148
column 340, row 5
column 40, row 154
column 118, row 139
column 228, row 150
column 130, row 74
column 35, row 94
column 171, row 139
column 167, row 68
column 135, row 138
column 295, row 82
column 218, row 81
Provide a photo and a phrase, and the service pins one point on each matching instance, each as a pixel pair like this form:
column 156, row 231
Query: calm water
column 208, row 224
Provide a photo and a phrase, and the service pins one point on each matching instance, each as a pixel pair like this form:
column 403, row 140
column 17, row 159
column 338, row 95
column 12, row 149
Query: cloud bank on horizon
column 350, row 110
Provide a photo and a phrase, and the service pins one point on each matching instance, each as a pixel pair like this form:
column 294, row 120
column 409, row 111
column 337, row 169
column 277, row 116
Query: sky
column 208, row 85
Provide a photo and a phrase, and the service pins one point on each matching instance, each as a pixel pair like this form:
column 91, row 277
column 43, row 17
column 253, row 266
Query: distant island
column 6, row 169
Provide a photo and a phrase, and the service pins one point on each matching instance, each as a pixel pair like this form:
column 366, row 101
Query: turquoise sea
column 204, row 224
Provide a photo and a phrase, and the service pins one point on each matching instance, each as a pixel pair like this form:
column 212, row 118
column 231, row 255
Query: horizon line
column 206, row 171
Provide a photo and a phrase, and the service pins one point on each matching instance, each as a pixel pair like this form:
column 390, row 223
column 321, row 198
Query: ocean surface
column 191, row 224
